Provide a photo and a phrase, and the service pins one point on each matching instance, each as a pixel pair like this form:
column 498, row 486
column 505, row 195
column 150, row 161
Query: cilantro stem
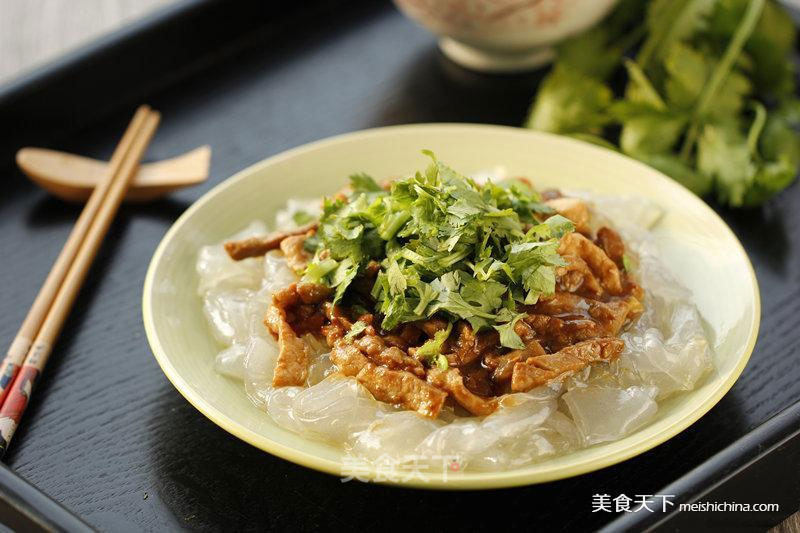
column 392, row 224
column 756, row 127
column 689, row 141
column 453, row 258
column 641, row 80
column 721, row 71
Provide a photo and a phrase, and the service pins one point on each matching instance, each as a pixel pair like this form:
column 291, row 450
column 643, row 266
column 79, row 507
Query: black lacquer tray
column 110, row 439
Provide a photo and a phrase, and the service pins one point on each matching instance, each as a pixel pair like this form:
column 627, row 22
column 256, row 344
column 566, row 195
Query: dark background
column 108, row 436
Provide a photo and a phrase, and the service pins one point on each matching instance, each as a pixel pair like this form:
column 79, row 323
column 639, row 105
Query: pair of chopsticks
column 33, row 343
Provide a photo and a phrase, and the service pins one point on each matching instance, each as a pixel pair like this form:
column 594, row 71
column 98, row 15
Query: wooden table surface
column 165, row 476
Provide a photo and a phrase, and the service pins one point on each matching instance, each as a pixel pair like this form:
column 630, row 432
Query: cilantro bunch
column 702, row 90
column 445, row 245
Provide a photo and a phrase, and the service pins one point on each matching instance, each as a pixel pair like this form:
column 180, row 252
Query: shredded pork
column 397, row 387
column 541, row 369
column 451, row 381
column 575, row 244
column 296, row 256
column 294, row 310
column 293, row 356
column 258, row 246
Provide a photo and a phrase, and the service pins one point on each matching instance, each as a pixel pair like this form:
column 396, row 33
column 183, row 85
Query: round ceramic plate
column 695, row 243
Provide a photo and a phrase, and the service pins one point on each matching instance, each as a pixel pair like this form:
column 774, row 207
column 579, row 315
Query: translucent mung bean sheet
column 667, row 351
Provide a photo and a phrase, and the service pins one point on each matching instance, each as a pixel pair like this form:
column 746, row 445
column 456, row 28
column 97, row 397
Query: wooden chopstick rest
column 73, row 177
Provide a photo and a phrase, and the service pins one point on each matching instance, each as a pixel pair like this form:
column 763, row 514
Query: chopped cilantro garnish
column 301, row 217
column 627, row 263
column 445, row 244
column 431, row 351
column 509, row 337
column 356, row 330
column 433, row 347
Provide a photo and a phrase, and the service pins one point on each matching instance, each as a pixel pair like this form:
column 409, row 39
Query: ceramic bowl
column 503, row 35
column 699, row 249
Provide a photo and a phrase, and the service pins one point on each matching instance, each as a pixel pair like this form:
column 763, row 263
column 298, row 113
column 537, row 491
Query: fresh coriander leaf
column 356, row 330
column 731, row 97
column 433, row 347
column 440, row 361
column 425, row 293
column 770, row 45
column 454, row 303
column 478, row 323
column 317, row 270
column 491, row 268
column 651, row 133
column 341, row 277
column 570, row 102
column 395, row 277
column 722, row 153
column 779, row 139
column 690, row 70
column 538, row 280
column 646, row 130
column 670, row 21
column 488, row 295
column 397, row 310
column 301, row 217
column 598, row 51
column 509, row 337
column 779, row 149
column 559, row 226
column 589, row 53
column 361, row 182
column 627, row 263
column 640, row 89
column 687, row 72
column 722, row 69
column 770, row 178
column 311, row 244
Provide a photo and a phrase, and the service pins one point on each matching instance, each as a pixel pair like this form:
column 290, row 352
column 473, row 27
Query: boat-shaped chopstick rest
column 73, row 177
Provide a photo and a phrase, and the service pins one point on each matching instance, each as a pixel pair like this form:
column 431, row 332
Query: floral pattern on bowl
column 504, row 35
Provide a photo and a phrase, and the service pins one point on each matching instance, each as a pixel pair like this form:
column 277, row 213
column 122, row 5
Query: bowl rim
column 467, row 480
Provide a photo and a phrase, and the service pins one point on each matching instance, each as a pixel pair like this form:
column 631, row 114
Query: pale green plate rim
column 467, row 480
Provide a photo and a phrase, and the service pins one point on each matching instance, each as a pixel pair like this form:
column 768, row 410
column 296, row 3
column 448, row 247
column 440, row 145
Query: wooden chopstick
column 21, row 388
column 47, row 293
